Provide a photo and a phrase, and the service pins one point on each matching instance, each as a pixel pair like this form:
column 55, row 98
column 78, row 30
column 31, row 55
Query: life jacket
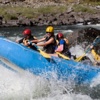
column 65, row 46
column 66, row 40
column 25, row 41
column 95, row 55
column 66, row 51
column 50, row 48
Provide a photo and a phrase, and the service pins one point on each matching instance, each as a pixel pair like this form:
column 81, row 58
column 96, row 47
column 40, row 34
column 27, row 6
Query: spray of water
column 26, row 86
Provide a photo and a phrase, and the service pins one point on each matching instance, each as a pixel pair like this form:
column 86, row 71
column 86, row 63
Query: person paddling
column 62, row 45
column 27, row 38
column 48, row 41
column 95, row 51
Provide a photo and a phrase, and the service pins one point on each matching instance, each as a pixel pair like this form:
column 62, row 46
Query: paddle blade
column 63, row 56
column 44, row 54
column 79, row 58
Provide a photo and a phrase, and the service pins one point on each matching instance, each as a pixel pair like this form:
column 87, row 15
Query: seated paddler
column 27, row 38
column 48, row 42
column 62, row 45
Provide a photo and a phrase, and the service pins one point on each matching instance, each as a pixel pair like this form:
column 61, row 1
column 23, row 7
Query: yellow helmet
column 50, row 29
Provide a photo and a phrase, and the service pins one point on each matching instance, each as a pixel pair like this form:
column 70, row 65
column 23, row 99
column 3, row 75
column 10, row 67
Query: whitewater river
column 26, row 86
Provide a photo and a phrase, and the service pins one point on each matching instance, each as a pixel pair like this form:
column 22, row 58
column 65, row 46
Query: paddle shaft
column 95, row 42
column 44, row 54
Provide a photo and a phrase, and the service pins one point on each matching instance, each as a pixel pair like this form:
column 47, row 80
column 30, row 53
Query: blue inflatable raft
column 33, row 61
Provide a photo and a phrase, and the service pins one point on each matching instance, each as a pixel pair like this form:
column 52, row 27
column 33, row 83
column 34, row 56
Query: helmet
column 60, row 35
column 27, row 32
column 50, row 29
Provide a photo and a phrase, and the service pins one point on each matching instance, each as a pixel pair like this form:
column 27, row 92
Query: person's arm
column 38, row 40
column 60, row 48
column 46, row 43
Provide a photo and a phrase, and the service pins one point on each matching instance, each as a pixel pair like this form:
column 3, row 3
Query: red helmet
column 60, row 35
column 27, row 32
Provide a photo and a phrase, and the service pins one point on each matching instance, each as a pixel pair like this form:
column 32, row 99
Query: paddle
column 63, row 56
column 95, row 42
column 44, row 54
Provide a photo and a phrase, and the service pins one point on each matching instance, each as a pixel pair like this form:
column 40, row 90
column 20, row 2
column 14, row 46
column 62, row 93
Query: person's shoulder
column 34, row 37
column 62, row 41
column 66, row 40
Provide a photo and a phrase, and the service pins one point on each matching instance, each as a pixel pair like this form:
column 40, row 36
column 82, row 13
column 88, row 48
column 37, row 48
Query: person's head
column 50, row 30
column 27, row 33
column 59, row 36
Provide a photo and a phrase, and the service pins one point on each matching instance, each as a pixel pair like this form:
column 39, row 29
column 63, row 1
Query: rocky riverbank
column 69, row 17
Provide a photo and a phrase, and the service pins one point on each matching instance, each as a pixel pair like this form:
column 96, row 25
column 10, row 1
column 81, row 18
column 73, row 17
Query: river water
column 26, row 86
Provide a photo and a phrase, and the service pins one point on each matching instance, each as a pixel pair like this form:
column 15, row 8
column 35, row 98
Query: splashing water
column 26, row 86
column 23, row 85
